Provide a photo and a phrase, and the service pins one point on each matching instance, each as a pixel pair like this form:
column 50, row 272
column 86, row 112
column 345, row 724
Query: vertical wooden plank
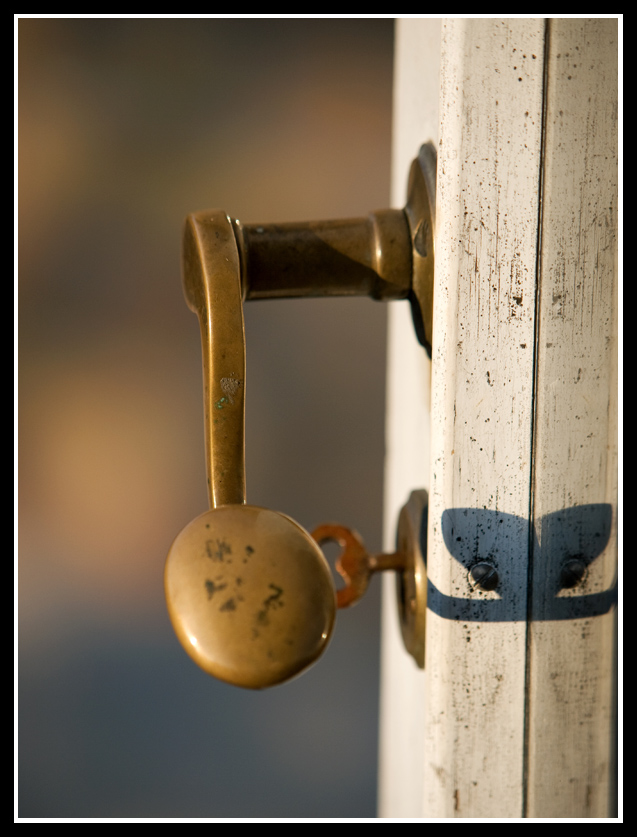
column 487, row 213
column 508, row 721
column 402, row 714
column 572, row 632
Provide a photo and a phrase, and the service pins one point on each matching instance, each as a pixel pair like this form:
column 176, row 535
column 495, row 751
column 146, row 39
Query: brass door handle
column 387, row 255
column 249, row 592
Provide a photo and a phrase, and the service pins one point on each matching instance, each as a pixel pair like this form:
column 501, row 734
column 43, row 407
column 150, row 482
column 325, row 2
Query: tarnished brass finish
column 411, row 583
column 249, row 593
column 387, row 255
column 420, row 210
column 356, row 567
column 354, row 257
column 212, row 288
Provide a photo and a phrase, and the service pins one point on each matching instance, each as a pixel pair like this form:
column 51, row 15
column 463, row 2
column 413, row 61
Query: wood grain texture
column 572, row 630
column 514, row 714
column 482, row 407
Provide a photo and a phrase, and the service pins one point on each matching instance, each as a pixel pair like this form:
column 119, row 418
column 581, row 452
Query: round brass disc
column 411, row 583
column 250, row 595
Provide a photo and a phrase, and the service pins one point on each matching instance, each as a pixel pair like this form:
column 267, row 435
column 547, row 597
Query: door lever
column 387, row 255
column 249, row 592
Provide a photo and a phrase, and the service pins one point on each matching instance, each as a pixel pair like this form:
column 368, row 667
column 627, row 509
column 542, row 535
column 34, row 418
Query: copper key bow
column 355, row 565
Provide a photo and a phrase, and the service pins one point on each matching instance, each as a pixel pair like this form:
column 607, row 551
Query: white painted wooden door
column 512, row 427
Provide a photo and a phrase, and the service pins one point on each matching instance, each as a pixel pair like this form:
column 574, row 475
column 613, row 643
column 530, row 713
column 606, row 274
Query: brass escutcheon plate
column 411, row 582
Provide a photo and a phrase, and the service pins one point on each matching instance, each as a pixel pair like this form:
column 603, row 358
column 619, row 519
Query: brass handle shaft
column 211, row 276
column 369, row 256
column 387, row 255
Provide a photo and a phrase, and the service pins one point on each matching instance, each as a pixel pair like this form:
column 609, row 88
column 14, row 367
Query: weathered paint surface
column 402, row 719
column 572, row 631
column 513, row 714
column 482, row 406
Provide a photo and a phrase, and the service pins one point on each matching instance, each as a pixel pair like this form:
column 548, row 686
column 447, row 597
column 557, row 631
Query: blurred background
column 126, row 126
